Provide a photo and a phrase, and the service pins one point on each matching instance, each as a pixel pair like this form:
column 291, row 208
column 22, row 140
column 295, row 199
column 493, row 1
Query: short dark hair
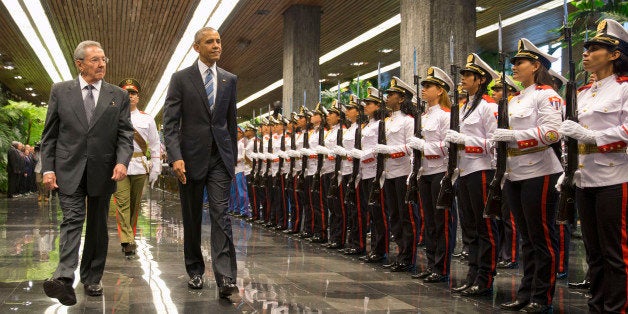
column 199, row 33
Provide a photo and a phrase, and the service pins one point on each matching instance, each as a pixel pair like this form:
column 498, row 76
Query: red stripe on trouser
column 118, row 220
column 285, row 206
column 343, row 235
column 548, row 241
column 445, row 263
column 254, row 201
column 561, row 252
column 360, row 226
column 489, row 229
column 624, row 236
column 297, row 208
column 381, row 202
column 311, row 211
column 413, row 224
column 320, row 199
column 513, row 242
column 422, row 214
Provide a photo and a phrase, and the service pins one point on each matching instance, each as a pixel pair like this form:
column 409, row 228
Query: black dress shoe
column 434, row 277
column 537, row 308
column 461, row 288
column 334, row 245
column 58, row 289
column 476, row 291
column 391, row 263
column 305, row 235
column 562, row 275
column 456, row 255
column 401, row 267
column 423, row 274
column 585, row 284
column 514, row 305
column 129, row 249
column 196, row 282
column 93, row 290
column 374, row 258
column 353, row 251
column 318, row 239
column 281, row 228
column 507, row 265
column 227, row 288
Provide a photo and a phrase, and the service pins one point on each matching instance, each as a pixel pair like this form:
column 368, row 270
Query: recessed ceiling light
column 8, row 66
column 322, row 80
column 29, row 88
column 42, row 103
column 333, row 74
column 358, row 63
column 34, row 94
column 480, row 9
column 385, row 50
column 18, row 77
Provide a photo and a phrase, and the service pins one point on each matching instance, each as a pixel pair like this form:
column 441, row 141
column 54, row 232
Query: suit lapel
column 220, row 76
column 76, row 100
column 104, row 100
column 194, row 75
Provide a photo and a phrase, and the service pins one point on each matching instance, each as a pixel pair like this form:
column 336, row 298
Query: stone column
column 428, row 25
column 301, row 51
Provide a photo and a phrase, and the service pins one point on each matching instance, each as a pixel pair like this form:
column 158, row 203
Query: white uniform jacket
column 434, row 124
column 145, row 126
column 477, row 153
column 399, row 128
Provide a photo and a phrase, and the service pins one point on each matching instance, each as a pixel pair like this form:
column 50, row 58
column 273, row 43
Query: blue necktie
column 89, row 103
column 209, row 88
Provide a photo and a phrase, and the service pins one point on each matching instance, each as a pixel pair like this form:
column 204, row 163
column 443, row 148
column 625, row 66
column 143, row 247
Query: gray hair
column 15, row 144
column 79, row 52
column 199, row 33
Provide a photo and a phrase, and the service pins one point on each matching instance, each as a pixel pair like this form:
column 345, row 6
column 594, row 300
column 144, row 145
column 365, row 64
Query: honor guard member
column 475, row 167
column 262, row 186
column 532, row 169
column 399, row 129
column 305, row 179
column 356, row 217
column 284, row 163
column 368, row 169
column 601, row 181
column 274, row 194
column 508, row 247
column 295, row 201
column 435, row 122
column 317, row 201
column 563, row 231
column 128, row 193
column 241, row 203
column 251, row 136
column 335, row 205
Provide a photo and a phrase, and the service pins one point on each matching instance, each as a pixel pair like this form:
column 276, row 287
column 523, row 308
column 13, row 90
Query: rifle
column 494, row 199
column 566, row 200
column 412, row 184
column 282, row 147
column 351, row 185
column 259, row 181
column 321, row 158
column 306, row 144
column 334, row 187
column 381, row 158
column 446, row 193
column 293, row 146
column 253, row 167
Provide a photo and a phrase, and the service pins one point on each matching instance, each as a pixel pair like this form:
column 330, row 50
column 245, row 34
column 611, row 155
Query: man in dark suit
column 200, row 136
column 86, row 147
column 15, row 165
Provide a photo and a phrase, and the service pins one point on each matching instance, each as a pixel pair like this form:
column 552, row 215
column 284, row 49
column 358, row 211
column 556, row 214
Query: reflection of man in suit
column 200, row 135
column 15, row 165
column 86, row 147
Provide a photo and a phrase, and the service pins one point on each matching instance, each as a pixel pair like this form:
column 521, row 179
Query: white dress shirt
column 203, row 68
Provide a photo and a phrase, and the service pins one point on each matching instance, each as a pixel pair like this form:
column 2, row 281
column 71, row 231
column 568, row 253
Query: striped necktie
column 209, row 88
column 89, row 103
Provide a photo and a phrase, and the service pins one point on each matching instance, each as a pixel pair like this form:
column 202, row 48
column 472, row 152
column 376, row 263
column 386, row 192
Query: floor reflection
column 276, row 273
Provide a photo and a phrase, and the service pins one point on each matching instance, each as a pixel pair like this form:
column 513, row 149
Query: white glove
column 293, row 153
column 339, row 151
column 504, row 135
column 455, row 137
column 416, row 143
column 356, row 153
column 322, row 150
column 383, row 149
column 282, row 154
column 152, row 178
column 577, row 131
column 560, row 181
column 307, row 152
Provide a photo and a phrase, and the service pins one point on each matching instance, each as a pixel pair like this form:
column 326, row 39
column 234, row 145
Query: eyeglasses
column 97, row 60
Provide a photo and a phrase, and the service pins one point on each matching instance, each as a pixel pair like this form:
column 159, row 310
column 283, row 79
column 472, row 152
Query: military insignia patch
column 551, row 136
column 555, row 102
column 496, row 114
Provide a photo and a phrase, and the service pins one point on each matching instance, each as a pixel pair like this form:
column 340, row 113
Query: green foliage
column 328, row 96
column 19, row 121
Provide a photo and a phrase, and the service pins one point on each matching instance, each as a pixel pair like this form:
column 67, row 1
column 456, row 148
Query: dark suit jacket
column 190, row 127
column 70, row 146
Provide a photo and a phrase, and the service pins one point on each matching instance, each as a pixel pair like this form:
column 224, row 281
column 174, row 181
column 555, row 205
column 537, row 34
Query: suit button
column 611, row 164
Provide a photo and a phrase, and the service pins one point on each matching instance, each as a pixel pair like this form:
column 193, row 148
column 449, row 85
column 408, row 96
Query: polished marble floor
column 276, row 273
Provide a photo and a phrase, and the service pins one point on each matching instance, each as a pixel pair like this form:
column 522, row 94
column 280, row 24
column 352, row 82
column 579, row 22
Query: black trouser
column 438, row 223
column 404, row 216
column 467, row 226
column 252, row 196
column 533, row 202
column 472, row 193
column 296, row 205
column 280, row 202
column 14, row 184
column 509, row 235
column 377, row 212
column 260, row 195
column 309, row 210
column 357, row 218
column 337, row 213
column 603, row 216
column 272, row 199
column 319, row 209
